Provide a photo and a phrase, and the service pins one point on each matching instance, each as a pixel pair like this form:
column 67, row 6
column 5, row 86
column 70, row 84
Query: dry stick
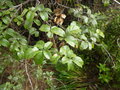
column 26, row 70
column 117, row 2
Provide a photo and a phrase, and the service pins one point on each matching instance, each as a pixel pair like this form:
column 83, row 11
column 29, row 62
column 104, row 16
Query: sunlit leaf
column 50, row 34
column 45, row 28
column 71, row 41
column 48, row 45
column 84, row 45
column 64, row 60
column 58, row 31
column 31, row 52
column 44, row 16
column 47, row 54
column 78, row 61
column 64, row 50
column 100, row 33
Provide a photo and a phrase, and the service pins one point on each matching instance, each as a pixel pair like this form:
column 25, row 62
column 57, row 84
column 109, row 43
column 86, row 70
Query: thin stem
column 26, row 70
column 117, row 2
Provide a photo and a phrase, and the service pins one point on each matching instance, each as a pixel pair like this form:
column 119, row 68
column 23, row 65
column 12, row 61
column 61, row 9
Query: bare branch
column 30, row 81
column 117, row 2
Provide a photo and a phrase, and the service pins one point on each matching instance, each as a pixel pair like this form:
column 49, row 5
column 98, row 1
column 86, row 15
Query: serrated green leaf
column 70, row 54
column 44, row 16
column 29, row 19
column 93, row 39
column 73, row 29
column 64, row 60
column 6, row 19
column 64, row 50
column 36, row 33
column 33, row 31
column 90, row 45
column 4, row 42
column 48, row 10
column 31, row 52
column 40, row 44
column 50, row 35
column 71, row 41
column 48, row 45
column 94, row 22
column 10, row 32
column 58, row 31
column 30, row 15
column 45, row 28
column 100, row 33
column 47, row 54
column 85, row 19
column 78, row 61
column 70, row 65
column 19, row 23
column 83, row 37
column 27, row 24
column 37, row 22
column 84, row 45
column 40, row 7
column 55, row 58
column 39, row 57
column 6, row 12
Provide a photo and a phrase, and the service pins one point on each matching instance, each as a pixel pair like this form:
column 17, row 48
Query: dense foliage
column 57, row 45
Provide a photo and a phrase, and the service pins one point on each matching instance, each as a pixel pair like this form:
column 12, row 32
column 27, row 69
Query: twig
column 63, row 5
column 19, row 5
column 118, row 42
column 61, row 83
column 29, row 36
column 37, row 2
column 109, row 56
column 26, row 70
column 117, row 2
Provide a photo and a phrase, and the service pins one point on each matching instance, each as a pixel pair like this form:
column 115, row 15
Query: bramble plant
column 43, row 50
column 77, row 35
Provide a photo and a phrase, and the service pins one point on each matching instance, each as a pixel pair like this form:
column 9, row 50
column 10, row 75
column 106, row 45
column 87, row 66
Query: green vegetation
column 54, row 45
